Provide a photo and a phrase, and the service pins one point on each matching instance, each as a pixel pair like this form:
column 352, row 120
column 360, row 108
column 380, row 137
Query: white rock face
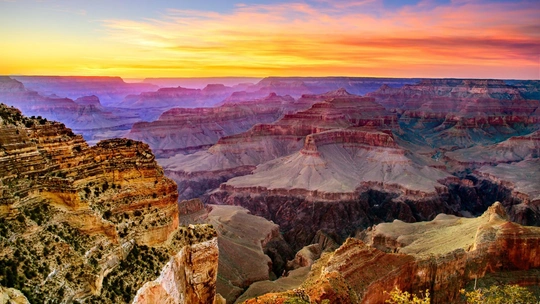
column 189, row 277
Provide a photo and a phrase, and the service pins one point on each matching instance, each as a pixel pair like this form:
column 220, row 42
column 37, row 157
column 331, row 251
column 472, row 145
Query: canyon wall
column 80, row 222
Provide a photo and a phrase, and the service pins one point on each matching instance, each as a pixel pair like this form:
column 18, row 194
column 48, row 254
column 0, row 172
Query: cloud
column 327, row 36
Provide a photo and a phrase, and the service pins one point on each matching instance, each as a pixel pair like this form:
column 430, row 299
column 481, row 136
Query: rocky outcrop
column 12, row 296
column 251, row 248
column 518, row 187
column 185, row 131
column 189, row 277
column 514, row 149
column 80, row 222
column 441, row 256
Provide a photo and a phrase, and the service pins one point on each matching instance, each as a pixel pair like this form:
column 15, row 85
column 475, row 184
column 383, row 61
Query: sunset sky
column 136, row 39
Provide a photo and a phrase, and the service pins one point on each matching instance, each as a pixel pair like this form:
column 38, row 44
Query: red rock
column 181, row 130
column 441, row 256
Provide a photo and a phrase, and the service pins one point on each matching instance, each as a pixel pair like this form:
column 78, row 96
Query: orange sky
column 472, row 39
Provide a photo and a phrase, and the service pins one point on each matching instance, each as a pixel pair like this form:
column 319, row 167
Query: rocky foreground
column 441, row 256
column 95, row 224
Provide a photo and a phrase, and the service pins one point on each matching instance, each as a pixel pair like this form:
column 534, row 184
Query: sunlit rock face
column 80, row 222
column 189, row 277
column 441, row 256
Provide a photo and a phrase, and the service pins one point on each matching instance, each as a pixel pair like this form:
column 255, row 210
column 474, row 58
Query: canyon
column 84, row 223
column 440, row 256
column 289, row 184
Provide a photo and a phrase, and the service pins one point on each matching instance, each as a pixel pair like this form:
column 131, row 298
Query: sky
column 373, row 38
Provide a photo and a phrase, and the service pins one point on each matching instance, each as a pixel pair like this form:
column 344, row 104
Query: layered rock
column 514, row 149
column 441, row 256
column 182, row 130
column 110, row 90
column 82, row 222
column 341, row 180
column 246, row 245
column 296, row 86
column 189, row 277
column 454, row 113
column 179, row 97
column 518, row 187
column 85, row 115
column 237, row 155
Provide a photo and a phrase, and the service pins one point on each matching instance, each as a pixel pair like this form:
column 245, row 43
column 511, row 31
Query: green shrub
column 506, row 294
column 403, row 297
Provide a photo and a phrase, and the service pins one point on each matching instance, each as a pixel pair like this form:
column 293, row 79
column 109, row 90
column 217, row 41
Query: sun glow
column 459, row 39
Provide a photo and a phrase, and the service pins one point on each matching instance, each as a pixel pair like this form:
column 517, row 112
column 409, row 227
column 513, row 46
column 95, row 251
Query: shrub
column 403, row 297
column 506, row 294
column 107, row 214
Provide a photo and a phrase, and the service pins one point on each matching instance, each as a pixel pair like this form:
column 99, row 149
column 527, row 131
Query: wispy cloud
column 333, row 37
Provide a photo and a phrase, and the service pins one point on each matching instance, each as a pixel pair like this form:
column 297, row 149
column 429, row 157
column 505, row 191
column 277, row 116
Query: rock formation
column 340, row 181
column 189, row 277
column 457, row 113
column 514, row 149
column 182, row 130
column 237, row 155
column 251, row 248
column 80, row 222
column 518, row 187
column 167, row 98
column 85, row 115
column 110, row 90
column 441, row 256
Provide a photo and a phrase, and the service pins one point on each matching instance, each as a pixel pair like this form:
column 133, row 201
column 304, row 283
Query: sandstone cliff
column 80, row 222
column 441, row 256
column 251, row 248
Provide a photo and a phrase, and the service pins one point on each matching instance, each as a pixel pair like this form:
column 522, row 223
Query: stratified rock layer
column 81, row 222
column 85, row 115
column 460, row 113
column 182, row 130
column 441, row 256
column 189, row 277
column 245, row 243
column 238, row 155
